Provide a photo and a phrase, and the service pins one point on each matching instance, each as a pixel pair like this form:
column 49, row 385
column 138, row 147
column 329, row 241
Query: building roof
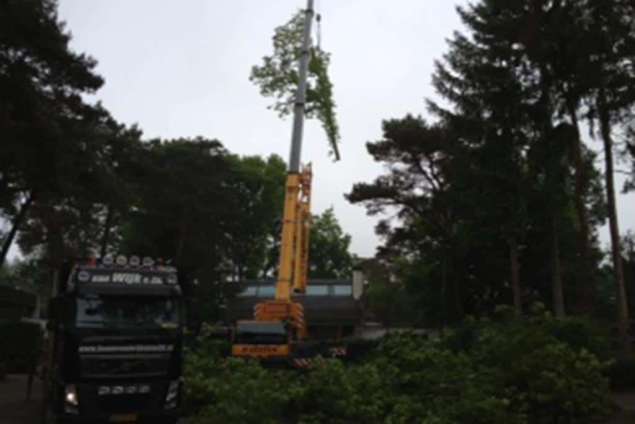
column 327, row 302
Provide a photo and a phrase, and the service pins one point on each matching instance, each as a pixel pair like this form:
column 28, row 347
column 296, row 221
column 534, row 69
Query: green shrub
column 335, row 393
column 244, row 392
column 22, row 345
column 436, row 384
column 581, row 334
column 221, row 390
column 504, row 372
column 550, row 379
column 577, row 333
column 563, row 385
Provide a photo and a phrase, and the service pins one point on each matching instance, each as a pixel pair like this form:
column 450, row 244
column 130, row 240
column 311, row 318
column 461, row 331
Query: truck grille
column 124, row 404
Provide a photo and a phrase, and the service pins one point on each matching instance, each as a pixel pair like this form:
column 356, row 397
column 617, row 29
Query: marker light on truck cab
column 107, row 260
column 172, row 396
column 70, row 395
column 121, row 260
column 71, row 402
column 134, row 261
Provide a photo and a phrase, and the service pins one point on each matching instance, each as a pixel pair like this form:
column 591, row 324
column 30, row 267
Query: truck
column 115, row 343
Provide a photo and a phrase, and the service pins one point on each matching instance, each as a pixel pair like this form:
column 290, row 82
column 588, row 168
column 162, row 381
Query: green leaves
column 277, row 77
column 329, row 255
column 514, row 372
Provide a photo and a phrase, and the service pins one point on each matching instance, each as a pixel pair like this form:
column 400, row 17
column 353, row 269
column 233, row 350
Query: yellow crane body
column 279, row 323
column 292, row 273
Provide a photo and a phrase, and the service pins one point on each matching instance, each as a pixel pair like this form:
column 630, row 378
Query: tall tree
column 613, row 82
column 488, row 111
column 415, row 190
column 511, row 164
column 67, row 220
column 41, row 109
column 258, row 187
column 329, row 255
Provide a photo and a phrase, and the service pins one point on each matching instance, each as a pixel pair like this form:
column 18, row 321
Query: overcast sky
column 180, row 69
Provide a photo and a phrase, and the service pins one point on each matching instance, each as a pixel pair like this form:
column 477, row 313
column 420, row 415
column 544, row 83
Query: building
column 332, row 308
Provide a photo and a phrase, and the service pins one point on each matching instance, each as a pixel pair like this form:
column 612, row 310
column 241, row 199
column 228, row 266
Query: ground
column 15, row 409
column 626, row 403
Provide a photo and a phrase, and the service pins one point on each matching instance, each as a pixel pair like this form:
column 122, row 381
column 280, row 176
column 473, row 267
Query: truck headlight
column 172, row 396
column 71, row 401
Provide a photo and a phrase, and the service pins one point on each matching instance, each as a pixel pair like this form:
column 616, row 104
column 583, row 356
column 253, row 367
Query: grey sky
column 180, row 69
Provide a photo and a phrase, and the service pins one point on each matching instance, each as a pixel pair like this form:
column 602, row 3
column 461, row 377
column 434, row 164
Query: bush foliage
column 513, row 372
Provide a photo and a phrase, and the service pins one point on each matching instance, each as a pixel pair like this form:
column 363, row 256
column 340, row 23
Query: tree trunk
column 105, row 239
column 17, row 222
column 618, row 269
column 515, row 275
column 444, row 301
column 180, row 243
column 457, row 299
column 556, row 274
column 584, row 287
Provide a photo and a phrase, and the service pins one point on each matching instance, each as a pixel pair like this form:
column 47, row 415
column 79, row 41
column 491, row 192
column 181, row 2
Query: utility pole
column 300, row 98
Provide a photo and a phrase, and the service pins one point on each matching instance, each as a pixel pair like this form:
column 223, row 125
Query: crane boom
column 294, row 243
column 300, row 99
column 294, row 186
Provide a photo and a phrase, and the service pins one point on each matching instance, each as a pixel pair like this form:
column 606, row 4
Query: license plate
column 260, row 351
column 123, row 418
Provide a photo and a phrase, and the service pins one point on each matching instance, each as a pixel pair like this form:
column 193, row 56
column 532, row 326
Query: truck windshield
column 125, row 311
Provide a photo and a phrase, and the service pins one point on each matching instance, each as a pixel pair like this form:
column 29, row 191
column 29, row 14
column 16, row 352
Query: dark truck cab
column 116, row 344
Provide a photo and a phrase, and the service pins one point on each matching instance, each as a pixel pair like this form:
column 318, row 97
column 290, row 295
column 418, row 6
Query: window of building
column 343, row 290
column 266, row 291
column 317, row 290
column 249, row 291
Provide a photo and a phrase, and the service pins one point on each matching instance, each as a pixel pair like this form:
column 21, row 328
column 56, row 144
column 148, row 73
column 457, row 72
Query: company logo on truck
column 138, row 348
column 100, row 276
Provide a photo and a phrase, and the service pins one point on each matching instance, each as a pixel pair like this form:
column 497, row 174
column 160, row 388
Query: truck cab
column 116, row 344
column 268, row 340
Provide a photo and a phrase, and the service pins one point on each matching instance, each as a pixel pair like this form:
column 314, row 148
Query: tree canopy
column 497, row 198
column 74, row 182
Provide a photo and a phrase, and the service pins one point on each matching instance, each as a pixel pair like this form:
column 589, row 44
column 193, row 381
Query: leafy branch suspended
column 277, row 77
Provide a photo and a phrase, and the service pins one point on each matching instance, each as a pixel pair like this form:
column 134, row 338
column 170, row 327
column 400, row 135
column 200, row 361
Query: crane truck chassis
column 115, row 344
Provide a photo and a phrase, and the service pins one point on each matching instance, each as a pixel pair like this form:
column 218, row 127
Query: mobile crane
column 279, row 326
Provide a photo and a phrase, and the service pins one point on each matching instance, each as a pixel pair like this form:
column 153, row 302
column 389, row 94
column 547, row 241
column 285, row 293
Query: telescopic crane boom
column 294, row 246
